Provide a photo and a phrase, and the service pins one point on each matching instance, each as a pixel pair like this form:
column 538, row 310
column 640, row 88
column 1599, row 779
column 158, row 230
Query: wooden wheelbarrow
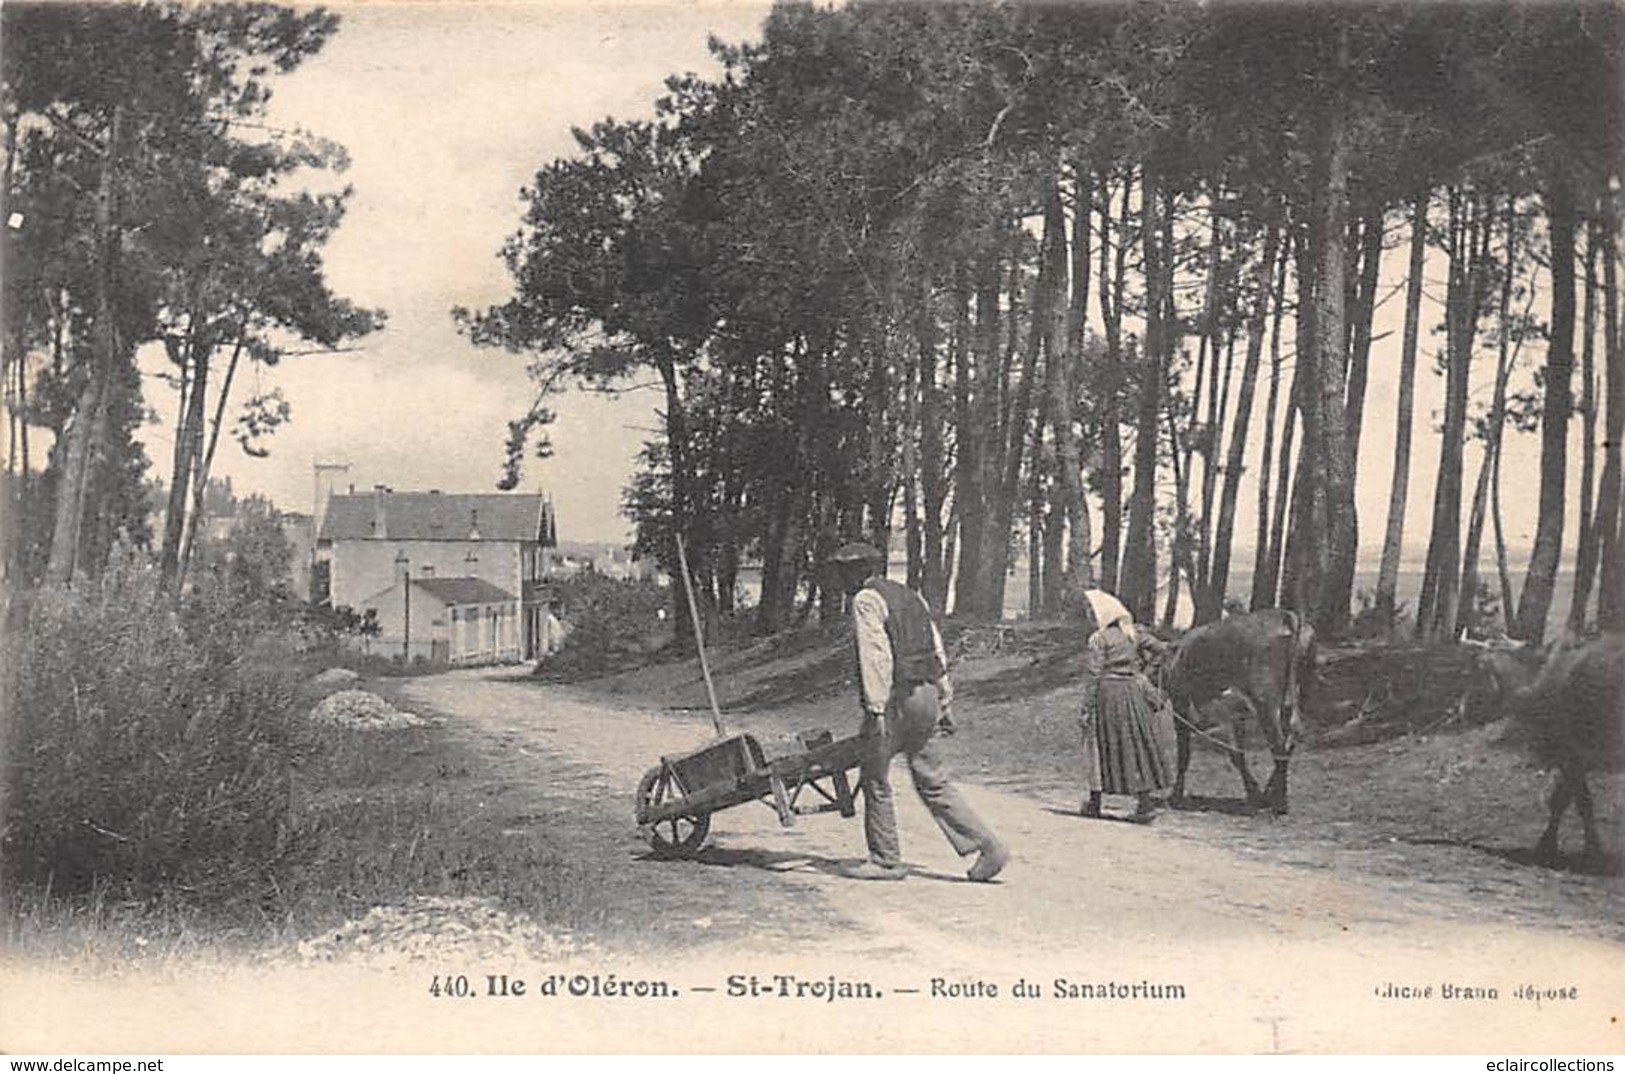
column 675, row 799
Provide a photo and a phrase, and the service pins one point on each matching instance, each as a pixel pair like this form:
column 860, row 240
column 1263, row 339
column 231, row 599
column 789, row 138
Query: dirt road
column 1098, row 938
column 1328, row 953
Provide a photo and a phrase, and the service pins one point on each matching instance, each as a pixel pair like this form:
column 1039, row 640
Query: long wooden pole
column 699, row 638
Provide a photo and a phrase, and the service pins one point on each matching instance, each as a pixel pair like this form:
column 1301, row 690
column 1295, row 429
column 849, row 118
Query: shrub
column 609, row 620
column 152, row 743
column 1370, row 621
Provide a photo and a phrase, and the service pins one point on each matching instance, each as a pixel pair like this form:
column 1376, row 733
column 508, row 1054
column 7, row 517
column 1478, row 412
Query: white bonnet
column 1108, row 610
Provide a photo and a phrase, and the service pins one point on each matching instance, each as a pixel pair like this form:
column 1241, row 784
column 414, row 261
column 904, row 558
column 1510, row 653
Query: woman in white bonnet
column 1124, row 749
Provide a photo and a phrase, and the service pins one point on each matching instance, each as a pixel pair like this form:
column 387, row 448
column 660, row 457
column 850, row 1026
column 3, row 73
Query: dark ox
column 1570, row 715
column 1245, row 669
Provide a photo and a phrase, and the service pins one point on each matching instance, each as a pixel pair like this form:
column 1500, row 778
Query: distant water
column 1409, row 588
column 1407, row 591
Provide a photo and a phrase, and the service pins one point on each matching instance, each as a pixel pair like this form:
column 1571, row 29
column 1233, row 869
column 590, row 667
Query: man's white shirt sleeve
column 945, row 684
column 874, row 649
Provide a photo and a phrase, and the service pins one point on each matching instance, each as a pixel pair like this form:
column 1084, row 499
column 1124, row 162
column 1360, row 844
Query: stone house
column 448, row 621
column 381, row 548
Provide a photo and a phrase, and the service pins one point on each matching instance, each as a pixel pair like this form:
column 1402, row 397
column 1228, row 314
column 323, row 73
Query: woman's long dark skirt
column 1133, row 745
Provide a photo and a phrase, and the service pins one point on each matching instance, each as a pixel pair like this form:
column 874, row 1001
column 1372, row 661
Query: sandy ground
column 1086, row 901
column 1187, row 947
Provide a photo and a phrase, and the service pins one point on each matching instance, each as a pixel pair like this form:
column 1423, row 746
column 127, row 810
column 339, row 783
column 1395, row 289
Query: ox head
column 1502, row 668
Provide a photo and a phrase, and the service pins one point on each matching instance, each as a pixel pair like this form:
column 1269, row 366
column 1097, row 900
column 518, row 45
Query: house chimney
column 380, row 521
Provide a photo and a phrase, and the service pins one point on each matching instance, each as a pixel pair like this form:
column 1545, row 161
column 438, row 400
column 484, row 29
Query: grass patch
column 151, row 749
column 375, row 819
column 386, row 815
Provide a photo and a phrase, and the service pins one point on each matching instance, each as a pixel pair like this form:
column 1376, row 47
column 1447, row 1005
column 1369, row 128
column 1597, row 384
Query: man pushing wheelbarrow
column 906, row 697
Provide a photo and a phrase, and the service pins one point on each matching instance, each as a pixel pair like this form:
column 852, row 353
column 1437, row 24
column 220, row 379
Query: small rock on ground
column 362, row 710
column 435, row 927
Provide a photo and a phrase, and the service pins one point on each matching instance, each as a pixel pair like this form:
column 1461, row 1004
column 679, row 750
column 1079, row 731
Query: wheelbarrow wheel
column 670, row 837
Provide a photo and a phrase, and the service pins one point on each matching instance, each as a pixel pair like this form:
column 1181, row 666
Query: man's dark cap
column 856, row 552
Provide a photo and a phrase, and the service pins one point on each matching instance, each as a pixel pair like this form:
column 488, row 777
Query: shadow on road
column 790, row 861
column 1232, row 807
column 1116, row 818
column 1582, row 864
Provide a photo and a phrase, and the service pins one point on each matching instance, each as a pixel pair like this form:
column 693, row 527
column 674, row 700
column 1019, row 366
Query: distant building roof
column 594, row 550
column 453, row 591
column 437, row 516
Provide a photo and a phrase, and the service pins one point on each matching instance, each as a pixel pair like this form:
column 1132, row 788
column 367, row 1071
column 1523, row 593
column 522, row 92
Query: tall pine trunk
column 1541, row 579
column 1361, row 316
column 1069, row 345
column 933, row 484
column 1399, row 487
column 1338, row 523
column 1611, row 492
column 1265, row 556
column 106, row 351
column 1214, row 335
column 1113, row 272
column 1494, row 427
column 204, row 465
column 681, row 485
column 1007, row 485
column 1139, row 584
column 193, row 376
column 1207, row 361
column 1299, row 555
column 880, row 473
column 1257, row 324
column 971, row 491
column 1585, row 553
column 913, row 530
column 1181, row 558
column 1047, row 506
column 1441, row 584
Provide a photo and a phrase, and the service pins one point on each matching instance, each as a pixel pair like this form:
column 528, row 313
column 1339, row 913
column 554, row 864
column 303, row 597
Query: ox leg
column 1280, row 739
column 1557, row 805
column 1182, row 739
column 1275, row 790
column 1238, row 757
column 1582, row 802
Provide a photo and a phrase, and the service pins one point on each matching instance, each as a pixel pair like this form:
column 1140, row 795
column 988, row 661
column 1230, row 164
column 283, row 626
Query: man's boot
column 993, row 858
column 872, row 870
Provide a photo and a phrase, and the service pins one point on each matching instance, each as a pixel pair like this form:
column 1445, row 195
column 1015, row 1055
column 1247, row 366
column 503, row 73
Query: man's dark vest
column 908, row 628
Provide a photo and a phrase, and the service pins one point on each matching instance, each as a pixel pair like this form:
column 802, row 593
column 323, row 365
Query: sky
column 447, row 111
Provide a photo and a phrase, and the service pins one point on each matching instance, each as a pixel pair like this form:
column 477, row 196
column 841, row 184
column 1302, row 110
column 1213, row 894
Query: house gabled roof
column 450, row 592
column 438, row 516
column 457, row 591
